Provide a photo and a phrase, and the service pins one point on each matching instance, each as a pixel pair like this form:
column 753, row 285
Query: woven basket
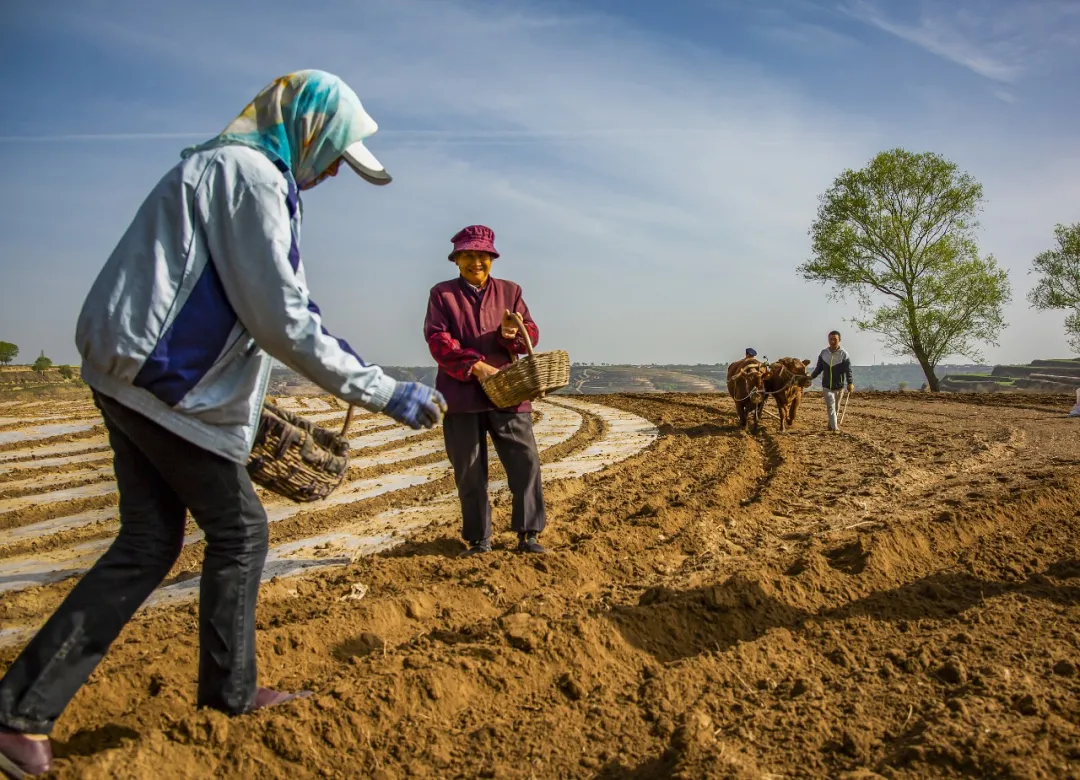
column 529, row 378
column 295, row 458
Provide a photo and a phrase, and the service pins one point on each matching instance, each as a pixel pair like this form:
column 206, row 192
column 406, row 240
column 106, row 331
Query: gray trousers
column 466, row 445
column 832, row 405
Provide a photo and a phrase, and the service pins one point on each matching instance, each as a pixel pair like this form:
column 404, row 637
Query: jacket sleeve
column 452, row 358
column 517, row 344
column 847, row 371
column 257, row 257
column 818, row 368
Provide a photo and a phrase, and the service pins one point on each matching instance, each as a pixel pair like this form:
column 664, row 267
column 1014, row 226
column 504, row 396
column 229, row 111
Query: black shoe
column 476, row 548
column 527, row 543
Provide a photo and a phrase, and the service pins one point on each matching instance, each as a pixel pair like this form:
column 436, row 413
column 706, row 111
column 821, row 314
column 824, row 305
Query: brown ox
column 785, row 382
column 746, row 384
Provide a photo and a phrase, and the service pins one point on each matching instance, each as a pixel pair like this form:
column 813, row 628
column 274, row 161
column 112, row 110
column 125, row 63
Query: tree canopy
column 1059, row 280
column 8, row 352
column 898, row 237
column 42, row 364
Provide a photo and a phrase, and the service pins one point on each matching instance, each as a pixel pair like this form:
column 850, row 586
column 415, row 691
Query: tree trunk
column 928, row 371
column 917, row 347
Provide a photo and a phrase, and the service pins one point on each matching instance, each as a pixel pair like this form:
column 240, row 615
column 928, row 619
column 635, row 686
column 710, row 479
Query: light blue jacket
column 203, row 288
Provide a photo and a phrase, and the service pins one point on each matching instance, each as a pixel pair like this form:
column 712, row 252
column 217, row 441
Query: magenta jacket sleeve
column 447, row 351
column 517, row 344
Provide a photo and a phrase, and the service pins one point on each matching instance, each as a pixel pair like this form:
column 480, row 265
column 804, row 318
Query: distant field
column 674, row 378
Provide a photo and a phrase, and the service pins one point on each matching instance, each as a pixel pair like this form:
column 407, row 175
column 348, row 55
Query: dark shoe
column 476, row 548
column 21, row 756
column 268, row 697
column 527, row 543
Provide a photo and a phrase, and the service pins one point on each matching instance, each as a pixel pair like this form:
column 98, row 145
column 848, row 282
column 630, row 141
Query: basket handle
column 525, row 333
column 348, row 419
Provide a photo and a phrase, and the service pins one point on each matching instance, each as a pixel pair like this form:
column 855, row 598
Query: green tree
column 1059, row 285
column 67, row 372
column 8, row 352
column 42, row 364
column 898, row 238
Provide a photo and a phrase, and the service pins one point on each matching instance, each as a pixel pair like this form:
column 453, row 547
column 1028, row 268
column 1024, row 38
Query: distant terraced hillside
column 1061, row 375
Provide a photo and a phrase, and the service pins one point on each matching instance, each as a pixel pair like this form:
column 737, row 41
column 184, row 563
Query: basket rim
column 528, row 379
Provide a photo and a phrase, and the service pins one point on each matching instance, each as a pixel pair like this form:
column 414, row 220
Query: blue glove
column 416, row 405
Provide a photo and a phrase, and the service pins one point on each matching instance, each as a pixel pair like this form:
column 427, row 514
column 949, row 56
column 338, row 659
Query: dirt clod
column 569, row 685
column 416, row 609
column 953, row 672
column 1027, row 705
column 1065, row 668
column 367, row 642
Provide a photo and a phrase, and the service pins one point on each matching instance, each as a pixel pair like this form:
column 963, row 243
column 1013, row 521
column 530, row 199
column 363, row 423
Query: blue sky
column 650, row 170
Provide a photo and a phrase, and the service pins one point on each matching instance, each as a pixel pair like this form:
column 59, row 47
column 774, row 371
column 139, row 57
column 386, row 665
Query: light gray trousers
column 832, row 406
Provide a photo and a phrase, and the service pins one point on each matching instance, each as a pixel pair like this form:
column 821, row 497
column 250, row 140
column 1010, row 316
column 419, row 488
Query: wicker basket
column 295, row 458
column 529, row 378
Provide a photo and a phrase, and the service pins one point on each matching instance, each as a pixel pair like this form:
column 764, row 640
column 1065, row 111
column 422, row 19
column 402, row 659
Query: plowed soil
column 901, row 599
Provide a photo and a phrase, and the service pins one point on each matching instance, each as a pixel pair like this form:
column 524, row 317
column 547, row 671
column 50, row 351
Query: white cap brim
column 364, row 163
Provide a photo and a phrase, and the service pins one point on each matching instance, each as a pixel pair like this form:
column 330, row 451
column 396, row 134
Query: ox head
column 789, row 372
column 802, row 379
column 751, row 379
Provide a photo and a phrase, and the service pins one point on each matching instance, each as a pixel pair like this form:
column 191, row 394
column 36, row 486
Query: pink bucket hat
column 475, row 237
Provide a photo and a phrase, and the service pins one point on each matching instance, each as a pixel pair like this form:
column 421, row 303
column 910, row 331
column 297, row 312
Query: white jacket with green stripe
column 835, row 368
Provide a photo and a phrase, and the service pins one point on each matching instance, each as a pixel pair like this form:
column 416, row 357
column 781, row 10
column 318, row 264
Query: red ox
column 785, row 382
column 746, row 384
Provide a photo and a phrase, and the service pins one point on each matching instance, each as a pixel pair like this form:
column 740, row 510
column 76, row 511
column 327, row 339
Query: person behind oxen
column 834, row 365
column 749, row 358
column 750, row 372
column 176, row 337
column 473, row 324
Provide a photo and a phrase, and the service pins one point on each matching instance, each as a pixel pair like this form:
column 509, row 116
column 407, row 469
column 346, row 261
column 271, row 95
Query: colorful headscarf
column 305, row 120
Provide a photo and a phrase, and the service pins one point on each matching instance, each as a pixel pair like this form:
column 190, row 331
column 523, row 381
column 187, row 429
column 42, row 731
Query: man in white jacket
column 176, row 336
column 835, row 367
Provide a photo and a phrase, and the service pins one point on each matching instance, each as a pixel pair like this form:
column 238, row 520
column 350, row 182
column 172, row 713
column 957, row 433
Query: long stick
column 348, row 419
column 844, row 410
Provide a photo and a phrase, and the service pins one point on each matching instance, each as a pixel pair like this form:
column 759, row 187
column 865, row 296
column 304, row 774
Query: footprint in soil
column 359, row 646
column 87, row 743
column 850, row 559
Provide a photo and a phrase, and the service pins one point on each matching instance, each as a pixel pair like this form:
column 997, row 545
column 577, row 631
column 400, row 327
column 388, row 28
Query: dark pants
column 466, row 446
column 159, row 477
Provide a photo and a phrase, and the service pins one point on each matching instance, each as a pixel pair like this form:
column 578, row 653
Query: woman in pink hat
column 473, row 324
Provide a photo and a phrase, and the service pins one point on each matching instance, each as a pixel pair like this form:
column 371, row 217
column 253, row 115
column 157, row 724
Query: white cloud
column 808, row 38
column 1001, row 41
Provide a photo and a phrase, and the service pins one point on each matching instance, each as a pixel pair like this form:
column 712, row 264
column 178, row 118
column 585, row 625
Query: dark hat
column 751, row 352
column 476, row 237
